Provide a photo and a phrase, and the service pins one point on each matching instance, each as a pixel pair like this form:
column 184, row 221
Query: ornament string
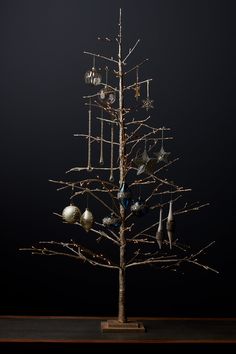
column 137, row 86
column 162, row 136
column 111, row 178
column 101, row 159
column 107, row 69
column 94, row 61
column 148, row 90
column 89, row 167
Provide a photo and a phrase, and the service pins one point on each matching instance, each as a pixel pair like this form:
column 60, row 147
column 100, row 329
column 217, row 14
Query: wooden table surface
column 26, row 329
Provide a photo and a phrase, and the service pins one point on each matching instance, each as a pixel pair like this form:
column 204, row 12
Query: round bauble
column 71, row 214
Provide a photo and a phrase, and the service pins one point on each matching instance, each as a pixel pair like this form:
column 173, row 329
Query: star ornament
column 144, row 163
column 147, row 104
column 162, row 155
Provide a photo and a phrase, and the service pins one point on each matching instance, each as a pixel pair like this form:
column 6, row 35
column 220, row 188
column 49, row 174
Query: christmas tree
column 128, row 181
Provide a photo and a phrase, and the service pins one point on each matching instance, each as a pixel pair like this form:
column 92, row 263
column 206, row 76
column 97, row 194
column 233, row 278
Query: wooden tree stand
column 114, row 326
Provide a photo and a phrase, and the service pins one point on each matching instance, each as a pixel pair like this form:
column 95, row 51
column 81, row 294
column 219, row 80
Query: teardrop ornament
column 160, row 232
column 86, row 220
column 124, row 195
column 170, row 225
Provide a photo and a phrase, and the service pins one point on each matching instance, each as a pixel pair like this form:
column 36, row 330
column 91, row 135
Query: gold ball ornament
column 86, row 220
column 71, row 214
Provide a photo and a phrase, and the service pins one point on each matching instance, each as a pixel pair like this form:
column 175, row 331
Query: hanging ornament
column 86, row 220
column 71, row 214
column 107, row 95
column 111, row 221
column 144, row 163
column 147, row 103
column 89, row 167
column 93, row 77
column 139, row 208
column 137, row 86
column 111, row 178
column 101, row 160
column 170, row 225
column 124, row 195
column 160, row 232
column 162, row 155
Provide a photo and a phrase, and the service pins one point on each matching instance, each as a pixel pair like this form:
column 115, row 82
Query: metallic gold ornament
column 71, row 214
column 170, row 225
column 137, row 87
column 137, row 92
column 86, row 220
column 160, row 232
column 147, row 104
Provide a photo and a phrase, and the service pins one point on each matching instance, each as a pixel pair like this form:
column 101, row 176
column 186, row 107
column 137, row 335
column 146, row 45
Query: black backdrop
column 191, row 46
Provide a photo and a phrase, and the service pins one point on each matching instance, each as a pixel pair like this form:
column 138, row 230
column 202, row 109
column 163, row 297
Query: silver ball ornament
column 71, row 214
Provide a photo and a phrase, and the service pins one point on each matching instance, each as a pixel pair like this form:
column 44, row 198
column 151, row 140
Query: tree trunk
column 122, row 312
column 122, row 141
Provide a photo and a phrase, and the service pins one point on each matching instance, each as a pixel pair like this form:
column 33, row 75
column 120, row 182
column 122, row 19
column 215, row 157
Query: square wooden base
column 114, row 326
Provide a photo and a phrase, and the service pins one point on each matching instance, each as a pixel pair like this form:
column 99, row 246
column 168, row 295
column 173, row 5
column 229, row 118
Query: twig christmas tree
column 136, row 165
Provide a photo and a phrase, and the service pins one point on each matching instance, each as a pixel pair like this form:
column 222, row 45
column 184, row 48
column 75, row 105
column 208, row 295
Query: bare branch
column 130, row 51
column 95, row 138
column 102, row 57
column 97, row 94
column 138, row 121
column 137, row 83
column 96, row 260
column 74, row 169
column 136, row 66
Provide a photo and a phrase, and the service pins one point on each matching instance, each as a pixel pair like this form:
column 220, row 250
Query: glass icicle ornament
column 86, row 220
column 124, row 195
column 101, row 158
column 92, row 76
column 89, row 166
column 71, row 214
column 160, row 232
column 170, row 224
column 111, row 177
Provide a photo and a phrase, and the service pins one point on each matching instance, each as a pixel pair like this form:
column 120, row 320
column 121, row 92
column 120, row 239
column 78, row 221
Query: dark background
column 191, row 46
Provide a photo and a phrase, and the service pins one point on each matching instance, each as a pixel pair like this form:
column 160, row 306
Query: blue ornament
column 139, row 207
column 124, row 195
